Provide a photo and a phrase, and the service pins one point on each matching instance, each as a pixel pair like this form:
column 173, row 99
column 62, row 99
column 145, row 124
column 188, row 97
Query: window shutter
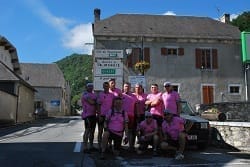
column 129, row 61
column 198, row 58
column 136, row 54
column 215, row 58
column 180, row 51
column 147, row 55
column 164, row 51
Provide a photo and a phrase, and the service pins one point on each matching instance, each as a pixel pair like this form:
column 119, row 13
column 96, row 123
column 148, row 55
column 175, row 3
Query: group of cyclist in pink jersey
column 126, row 116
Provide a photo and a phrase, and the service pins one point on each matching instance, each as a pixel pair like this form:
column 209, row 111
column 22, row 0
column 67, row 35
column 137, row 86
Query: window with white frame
column 175, row 87
column 234, row 89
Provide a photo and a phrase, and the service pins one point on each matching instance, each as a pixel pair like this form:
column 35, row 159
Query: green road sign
column 108, row 71
column 245, row 41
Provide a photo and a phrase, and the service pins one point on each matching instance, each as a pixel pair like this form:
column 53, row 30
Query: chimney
column 97, row 13
column 225, row 18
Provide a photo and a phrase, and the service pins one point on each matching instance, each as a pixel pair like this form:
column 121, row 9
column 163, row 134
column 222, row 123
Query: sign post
column 108, row 64
column 245, row 43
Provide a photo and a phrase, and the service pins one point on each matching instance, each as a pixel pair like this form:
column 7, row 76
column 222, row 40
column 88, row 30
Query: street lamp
column 128, row 51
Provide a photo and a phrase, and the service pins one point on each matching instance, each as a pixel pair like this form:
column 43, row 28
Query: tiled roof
column 42, row 75
column 165, row 26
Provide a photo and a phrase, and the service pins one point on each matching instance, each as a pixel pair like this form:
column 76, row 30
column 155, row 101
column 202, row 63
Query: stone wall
column 235, row 111
column 236, row 134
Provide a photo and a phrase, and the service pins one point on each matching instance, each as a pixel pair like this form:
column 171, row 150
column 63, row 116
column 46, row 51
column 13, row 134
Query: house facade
column 16, row 95
column 53, row 92
column 199, row 55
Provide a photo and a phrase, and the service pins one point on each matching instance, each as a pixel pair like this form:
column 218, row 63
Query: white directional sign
column 108, row 67
column 98, row 81
column 101, row 53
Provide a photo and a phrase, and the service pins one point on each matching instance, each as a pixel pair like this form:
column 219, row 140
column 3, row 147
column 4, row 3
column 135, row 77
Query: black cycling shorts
column 90, row 122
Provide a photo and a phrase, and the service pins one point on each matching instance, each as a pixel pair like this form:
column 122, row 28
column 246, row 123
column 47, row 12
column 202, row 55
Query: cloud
column 72, row 38
column 169, row 13
column 78, row 37
column 233, row 16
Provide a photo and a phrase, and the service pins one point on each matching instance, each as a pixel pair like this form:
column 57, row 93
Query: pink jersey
column 116, row 121
column 174, row 127
column 128, row 103
column 88, row 109
column 146, row 128
column 156, row 110
column 170, row 101
column 116, row 92
column 105, row 100
column 141, row 102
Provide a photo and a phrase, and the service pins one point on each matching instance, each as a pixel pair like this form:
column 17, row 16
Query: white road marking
column 78, row 146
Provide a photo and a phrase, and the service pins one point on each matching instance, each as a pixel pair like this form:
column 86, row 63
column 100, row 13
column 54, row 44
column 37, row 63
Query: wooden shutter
column 147, row 55
column 198, row 58
column 180, row 51
column 164, row 51
column 215, row 59
column 136, row 54
column 129, row 61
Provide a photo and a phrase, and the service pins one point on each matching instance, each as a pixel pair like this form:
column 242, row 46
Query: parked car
column 40, row 113
column 199, row 132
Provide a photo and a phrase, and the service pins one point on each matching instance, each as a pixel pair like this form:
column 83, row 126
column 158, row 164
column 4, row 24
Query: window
column 206, row 58
column 172, row 51
column 175, row 88
column 234, row 89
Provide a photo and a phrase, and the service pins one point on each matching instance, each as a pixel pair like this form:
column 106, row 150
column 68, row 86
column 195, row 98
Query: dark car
column 40, row 113
column 199, row 133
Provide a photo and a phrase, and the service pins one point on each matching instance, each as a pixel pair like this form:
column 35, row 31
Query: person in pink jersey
column 141, row 99
column 88, row 100
column 171, row 99
column 129, row 105
column 174, row 135
column 104, row 104
column 155, row 104
column 147, row 134
column 113, row 89
column 116, row 123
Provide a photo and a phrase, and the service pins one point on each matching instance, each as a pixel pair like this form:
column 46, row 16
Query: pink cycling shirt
column 173, row 128
column 88, row 109
column 105, row 100
column 116, row 121
column 170, row 100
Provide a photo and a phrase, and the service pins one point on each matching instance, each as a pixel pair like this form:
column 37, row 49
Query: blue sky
column 45, row 31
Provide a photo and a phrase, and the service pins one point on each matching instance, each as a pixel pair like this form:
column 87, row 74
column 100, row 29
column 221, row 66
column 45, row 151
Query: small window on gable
column 234, row 89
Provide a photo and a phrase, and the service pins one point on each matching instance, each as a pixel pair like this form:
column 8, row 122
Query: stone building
column 199, row 55
column 16, row 95
column 53, row 91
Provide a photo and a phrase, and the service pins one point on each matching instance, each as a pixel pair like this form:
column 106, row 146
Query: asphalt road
column 57, row 142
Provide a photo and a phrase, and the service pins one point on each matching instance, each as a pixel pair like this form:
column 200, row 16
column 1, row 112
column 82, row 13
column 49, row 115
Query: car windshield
column 186, row 108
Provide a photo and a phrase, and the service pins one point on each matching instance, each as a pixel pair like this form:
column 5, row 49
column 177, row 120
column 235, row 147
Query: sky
column 45, row 31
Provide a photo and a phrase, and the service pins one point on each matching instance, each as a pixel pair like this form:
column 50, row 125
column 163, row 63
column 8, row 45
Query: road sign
column 245, row 41
column 108, row 63
column 104, row 53
column 98, row 81
column 137, row 79
column 108, row 67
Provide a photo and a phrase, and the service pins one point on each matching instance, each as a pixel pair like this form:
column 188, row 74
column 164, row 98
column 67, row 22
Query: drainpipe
column 17, row 102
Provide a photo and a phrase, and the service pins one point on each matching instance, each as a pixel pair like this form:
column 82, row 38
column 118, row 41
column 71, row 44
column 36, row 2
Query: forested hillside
column 76, row 69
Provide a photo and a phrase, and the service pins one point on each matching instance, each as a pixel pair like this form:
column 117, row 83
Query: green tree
column 242, row 21
column 76, row 69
